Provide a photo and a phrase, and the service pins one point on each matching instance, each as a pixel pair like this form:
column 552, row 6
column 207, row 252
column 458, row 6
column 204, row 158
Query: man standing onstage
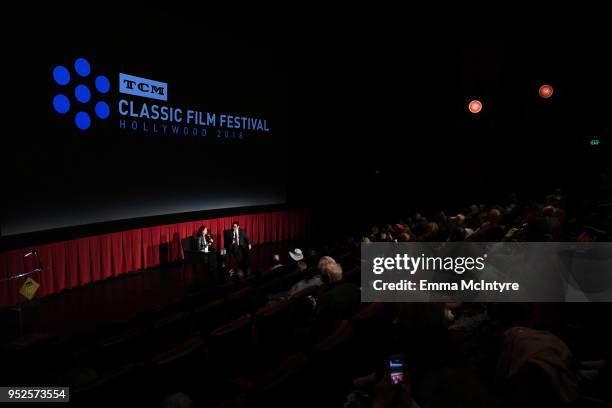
column 238, row 246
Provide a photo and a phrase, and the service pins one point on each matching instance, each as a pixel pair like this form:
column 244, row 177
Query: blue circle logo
column 82, row 120
column 61, row 103
column 102, row 110
column 82, row 93
column 61, row 75
column 82, row 67
column 102, row 84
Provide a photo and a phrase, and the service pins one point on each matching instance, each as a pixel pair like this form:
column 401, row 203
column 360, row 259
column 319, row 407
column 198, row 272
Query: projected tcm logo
column 76, row 98
column 133, row 85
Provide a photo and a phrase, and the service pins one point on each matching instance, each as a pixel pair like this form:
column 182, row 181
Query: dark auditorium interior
column 188, row 191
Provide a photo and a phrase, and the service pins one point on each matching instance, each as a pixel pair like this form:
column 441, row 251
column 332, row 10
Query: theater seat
column 273, row 330
column 337, row 339
column 180, row 368
column 368, row 316
column 45, row 352
column 290, row 279
column 272, row 274
column 309, row 272
column 240, row 401
column 231, row 347
column 332, row 363
column 169, row 331
column 353, row 275
column 119, row 350
column 372, row 327
column 241, row 327
column 271, row 287
column 279, row 376
column 209, row 315
column 226, row 288
column 185, row 303
column 283, row 386
column 182, row 350
column 302, row 307
column 105, row 389
column 345, row 259
column 240, row 302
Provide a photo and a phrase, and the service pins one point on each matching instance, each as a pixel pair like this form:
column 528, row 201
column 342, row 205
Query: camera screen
column 396, row 369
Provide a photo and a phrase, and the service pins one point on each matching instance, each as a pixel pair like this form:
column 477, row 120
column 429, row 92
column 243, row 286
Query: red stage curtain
column 80, row 261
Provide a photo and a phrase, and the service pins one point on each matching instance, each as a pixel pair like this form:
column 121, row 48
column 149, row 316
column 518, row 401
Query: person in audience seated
column 389, row 232
column 491, row 228
column 473, row 316
column 474, row 210
column 462, row 223
column 339, row 301
column 429, row 231
column 552, row 222
column 456, row 231
column 316, row 279
column 304, row 283
column 537, row 368
column 385, row 237
column 298, row 259
column 276, row 262
column 324, row 262
column 441, row 221
column 417, row 223
column 399, row 228
column 310, row 256
column 404, row 237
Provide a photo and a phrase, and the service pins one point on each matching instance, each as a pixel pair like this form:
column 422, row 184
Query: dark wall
column 387, row 126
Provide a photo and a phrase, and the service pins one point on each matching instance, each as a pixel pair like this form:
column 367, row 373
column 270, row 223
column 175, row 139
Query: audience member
column 341, row 300
column 298, row 259
column 276, row 262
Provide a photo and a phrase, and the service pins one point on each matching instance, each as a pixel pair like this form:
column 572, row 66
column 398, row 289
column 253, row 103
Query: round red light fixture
column 546, row 91
column 475, row 106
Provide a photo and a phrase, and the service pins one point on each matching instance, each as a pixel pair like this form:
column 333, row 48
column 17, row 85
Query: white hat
column 296, row 255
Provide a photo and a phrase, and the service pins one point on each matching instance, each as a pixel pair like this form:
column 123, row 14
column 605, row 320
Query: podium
column 28, row 288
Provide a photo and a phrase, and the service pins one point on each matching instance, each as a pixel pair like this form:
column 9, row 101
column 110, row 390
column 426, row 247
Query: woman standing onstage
column 204, row 240
column 204, row 243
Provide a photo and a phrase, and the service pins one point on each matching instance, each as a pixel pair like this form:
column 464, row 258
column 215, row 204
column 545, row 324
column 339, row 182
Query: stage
column 109, row 302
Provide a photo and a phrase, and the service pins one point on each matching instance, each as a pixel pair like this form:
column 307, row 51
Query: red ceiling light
column 546, row 91
column 475, row 106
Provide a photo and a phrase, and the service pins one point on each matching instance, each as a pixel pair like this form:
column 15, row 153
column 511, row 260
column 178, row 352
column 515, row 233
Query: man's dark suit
column 243, row 239
column 240, row 250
